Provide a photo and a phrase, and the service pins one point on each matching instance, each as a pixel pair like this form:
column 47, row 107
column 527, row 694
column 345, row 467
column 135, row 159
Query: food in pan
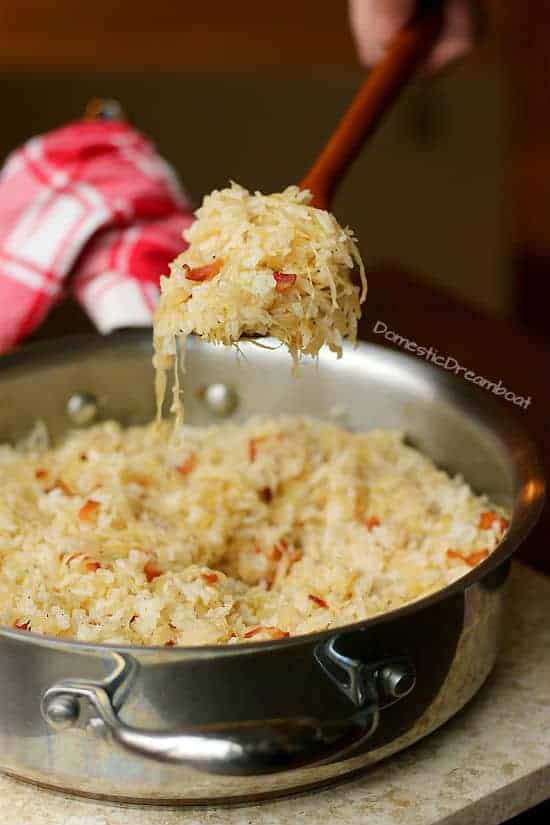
column 237, row 533
column 261, row 265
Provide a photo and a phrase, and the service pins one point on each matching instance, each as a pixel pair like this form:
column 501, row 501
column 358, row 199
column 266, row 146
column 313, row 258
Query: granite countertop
column 487, row 764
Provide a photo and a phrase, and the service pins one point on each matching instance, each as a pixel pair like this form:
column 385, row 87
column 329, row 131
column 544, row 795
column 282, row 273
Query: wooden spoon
column 405, row 53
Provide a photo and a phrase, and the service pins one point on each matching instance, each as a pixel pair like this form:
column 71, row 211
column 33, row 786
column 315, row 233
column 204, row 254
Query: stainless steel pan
column 247, row 721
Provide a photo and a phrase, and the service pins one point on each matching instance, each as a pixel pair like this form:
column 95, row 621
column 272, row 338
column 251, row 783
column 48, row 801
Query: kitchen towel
column 90, row 209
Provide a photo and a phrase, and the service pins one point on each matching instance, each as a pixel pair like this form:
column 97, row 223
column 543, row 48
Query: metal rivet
column 397, row 680
column 82, row 408
column 220, row 399
column 62, row 712
column 97, row 727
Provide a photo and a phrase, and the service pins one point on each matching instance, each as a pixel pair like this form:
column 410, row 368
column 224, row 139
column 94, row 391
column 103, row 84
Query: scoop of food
column 262, row 265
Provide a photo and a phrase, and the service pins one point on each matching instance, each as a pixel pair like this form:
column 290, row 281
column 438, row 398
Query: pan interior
column 369, row 387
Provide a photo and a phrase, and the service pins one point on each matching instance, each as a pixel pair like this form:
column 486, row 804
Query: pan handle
column 245, row 748
column 235, row 749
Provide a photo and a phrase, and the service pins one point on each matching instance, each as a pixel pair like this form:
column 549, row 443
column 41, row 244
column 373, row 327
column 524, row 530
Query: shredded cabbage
column 276, row 527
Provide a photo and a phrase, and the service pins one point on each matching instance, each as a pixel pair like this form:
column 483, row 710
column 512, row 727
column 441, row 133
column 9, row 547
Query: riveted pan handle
column 243, row 748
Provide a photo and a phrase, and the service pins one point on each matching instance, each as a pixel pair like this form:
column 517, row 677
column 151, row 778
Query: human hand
column 375, row 22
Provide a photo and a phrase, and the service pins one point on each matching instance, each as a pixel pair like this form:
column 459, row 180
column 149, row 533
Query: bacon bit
column 269, row 581
column 187, row 465
column 295, row 556
column 141, row 480
column 132, row 620
column 151, row 572
column 472, row 559
column 372, row 522
column 486, row 521
column 170, row 643
column 274, row 632
column 59, row 484
column 209, row 578
column 266, row 494
column 88, row 510
column 284, row 280
column 317, row 600
column 204, row 273
column 22, row 625
column 253, row 446
column 41, row 473
column 278, row 550
column 92, row 566
column 475, row 558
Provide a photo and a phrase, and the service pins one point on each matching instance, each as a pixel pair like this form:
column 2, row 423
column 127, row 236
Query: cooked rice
column 261, row 265
column 281, row 526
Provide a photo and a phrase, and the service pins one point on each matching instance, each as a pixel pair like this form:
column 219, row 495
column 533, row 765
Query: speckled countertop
column 487, row 764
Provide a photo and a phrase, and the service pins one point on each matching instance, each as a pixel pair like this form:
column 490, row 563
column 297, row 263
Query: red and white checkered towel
column 88, row 208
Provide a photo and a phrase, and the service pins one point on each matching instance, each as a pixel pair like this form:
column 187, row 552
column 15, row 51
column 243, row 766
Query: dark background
column 429, row 189
column 456, row 183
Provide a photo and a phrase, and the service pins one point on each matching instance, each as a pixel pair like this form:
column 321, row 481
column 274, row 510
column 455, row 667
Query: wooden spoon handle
column 381, row 88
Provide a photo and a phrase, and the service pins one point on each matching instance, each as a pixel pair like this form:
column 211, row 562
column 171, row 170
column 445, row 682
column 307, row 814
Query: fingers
column 375, row 22
column 456, row 38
